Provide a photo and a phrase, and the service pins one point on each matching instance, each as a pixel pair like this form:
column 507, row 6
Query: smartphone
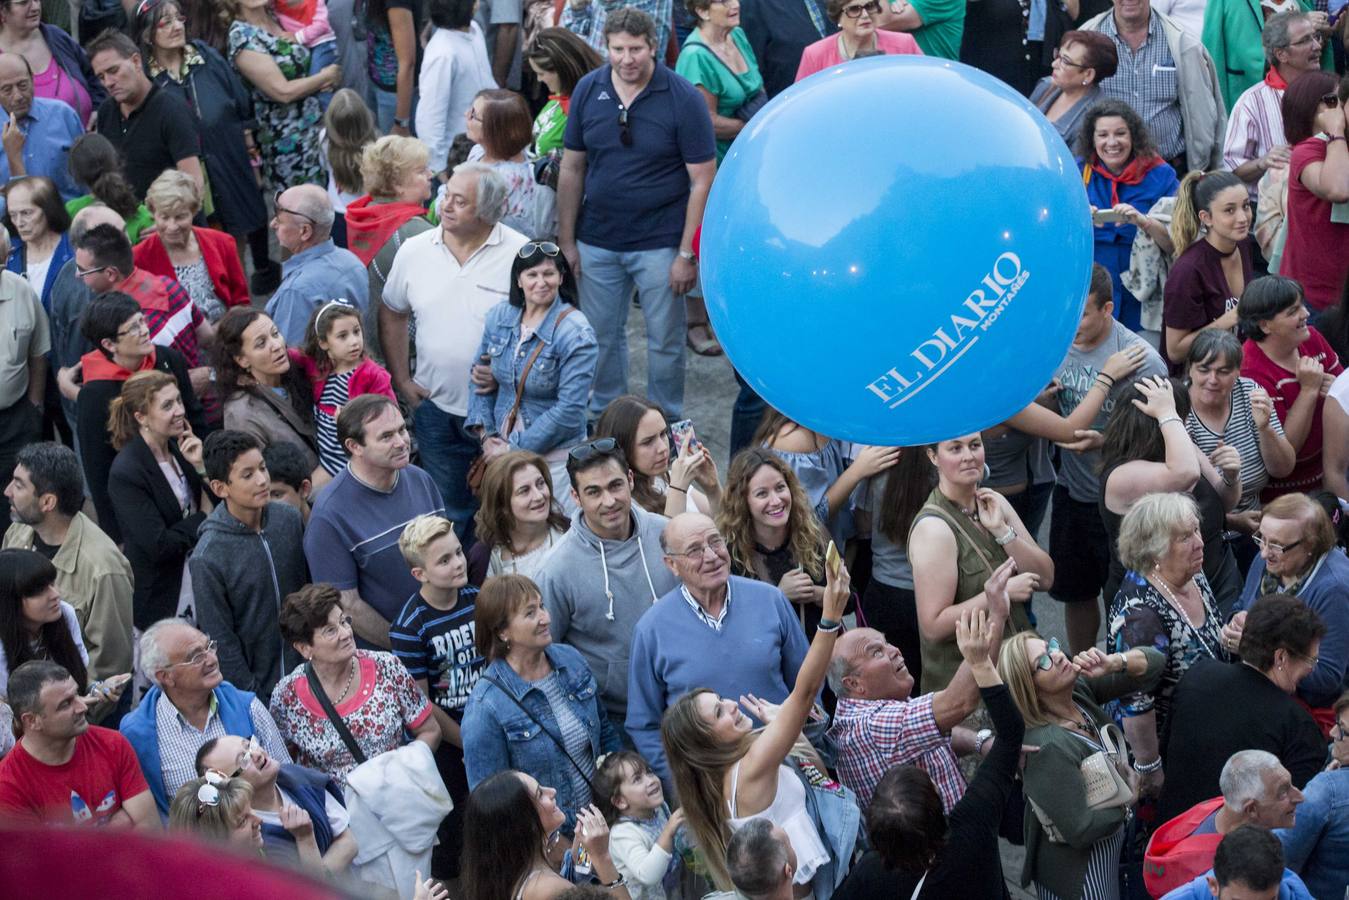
column 1106, row 216
column 684, row 438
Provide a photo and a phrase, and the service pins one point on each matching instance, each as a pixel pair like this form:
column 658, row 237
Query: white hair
column 492, row 191
column 1242, row 778
column 153, row 655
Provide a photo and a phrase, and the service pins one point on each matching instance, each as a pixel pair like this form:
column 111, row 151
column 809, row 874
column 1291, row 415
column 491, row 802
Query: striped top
column 1254, row 128
column 574, row 735
column 1242, row 434
column 335, row 396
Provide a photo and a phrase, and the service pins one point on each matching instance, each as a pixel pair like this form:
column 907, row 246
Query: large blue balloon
column 897, row 250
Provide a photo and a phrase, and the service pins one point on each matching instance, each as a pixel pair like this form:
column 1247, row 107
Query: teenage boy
column 434, row 637
column 249, row 557
column 291, row 483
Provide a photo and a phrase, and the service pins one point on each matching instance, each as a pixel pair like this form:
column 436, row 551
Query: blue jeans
column 607, row 280
column 447, row 451
column 324, row 54
column 745, row 415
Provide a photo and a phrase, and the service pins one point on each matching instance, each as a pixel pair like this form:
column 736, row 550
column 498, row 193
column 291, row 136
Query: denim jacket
column 499, row 735
column 553, row 409
column 833, row 808
column 1317, row 846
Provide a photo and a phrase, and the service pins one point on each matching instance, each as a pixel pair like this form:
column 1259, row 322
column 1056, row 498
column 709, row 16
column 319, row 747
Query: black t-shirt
column 1197, row 291
column 155, row 137
column 47, row 550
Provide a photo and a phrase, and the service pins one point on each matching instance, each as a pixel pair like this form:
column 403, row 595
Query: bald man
column 714, row 630
column 38, row 132
column 318, row 270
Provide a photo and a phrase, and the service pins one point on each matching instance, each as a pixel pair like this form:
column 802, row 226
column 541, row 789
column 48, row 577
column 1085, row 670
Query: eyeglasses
column 1063, row 58
column 1309, row 38
column 1312, row 660
column 716, row 543
column 85, row 273
column 625, row 134
column 855, row 12
column 472, row 115
column 198, row 656
column 1276, row 549
column 208, row 795
column 547, row 248
column 1044, row 662
column 331, row 632
column 1332, row 99
column 137, row 327
column 591, row 449
column 245, row 759
column 281, row 209
column 1340, row 731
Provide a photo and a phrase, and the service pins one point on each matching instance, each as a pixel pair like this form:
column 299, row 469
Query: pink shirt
column 1317, row 251
column 824, row 53
column 56, row 84
column 311, row 33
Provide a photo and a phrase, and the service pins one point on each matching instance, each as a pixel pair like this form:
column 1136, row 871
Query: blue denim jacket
column 553, row 409
column 499, row 735
column 1317, row 846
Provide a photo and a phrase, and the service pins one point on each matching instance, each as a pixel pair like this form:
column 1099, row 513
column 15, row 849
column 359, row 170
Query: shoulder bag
column 1106, row 779
column 533, row 718
column 342, row 730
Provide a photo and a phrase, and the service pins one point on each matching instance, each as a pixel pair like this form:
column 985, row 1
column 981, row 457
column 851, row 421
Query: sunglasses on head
column 547, row 248
column 208, row 795
column 591, row 449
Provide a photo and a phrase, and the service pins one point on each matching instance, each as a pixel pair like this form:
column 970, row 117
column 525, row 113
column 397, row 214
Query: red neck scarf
column 1275, row 80
column 370, row 224
column 1133, row 173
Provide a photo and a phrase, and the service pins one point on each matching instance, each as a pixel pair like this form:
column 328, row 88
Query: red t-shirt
column 1197, row 291
column 101, row 775
column 1283, row 388
column 1317, row 250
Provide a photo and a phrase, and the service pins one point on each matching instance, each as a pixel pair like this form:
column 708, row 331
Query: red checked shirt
column 874, row 736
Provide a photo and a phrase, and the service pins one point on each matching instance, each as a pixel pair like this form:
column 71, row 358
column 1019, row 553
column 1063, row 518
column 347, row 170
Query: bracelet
column 682, row 490
column 1222, row 473
column 1007, row 537
column 1161, row 422
column 828, row 626
column 621, row 882
column 1107, row 376
column 1148, row 768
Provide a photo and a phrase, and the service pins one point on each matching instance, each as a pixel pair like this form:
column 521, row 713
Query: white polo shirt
column 450, row 303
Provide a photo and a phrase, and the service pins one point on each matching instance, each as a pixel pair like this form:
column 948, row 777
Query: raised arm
column 1180, row 469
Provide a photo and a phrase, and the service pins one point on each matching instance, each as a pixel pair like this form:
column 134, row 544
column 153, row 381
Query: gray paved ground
column 709, row 392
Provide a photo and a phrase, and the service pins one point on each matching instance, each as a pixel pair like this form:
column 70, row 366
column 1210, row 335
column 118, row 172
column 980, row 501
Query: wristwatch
column 688, row 255
column 981, row 737
column 402, row 123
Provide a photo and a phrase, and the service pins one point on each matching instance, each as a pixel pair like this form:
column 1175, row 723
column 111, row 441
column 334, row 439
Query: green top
column 134, row 226
column 943, row 25
column 1053, row 781
column 705, row 69
column 977, row 555
column 549, row 125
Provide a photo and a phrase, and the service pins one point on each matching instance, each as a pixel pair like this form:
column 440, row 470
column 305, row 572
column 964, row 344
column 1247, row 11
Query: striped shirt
column 179, row 740
column 335, row 395
column 1148, row 81
column 438, row 645
column 1254, row 128
column 1241, row 434
column 575, row 738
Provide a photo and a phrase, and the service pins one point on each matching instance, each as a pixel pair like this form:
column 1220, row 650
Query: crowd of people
column 367, row 561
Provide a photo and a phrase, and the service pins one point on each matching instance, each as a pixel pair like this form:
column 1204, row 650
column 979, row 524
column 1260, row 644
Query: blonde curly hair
column 388, row 161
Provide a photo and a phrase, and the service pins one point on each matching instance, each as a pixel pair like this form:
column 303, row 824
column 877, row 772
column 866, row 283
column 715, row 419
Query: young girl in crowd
column 348, row 125
column 641, row 826
column 308, row 21
column 335, row 363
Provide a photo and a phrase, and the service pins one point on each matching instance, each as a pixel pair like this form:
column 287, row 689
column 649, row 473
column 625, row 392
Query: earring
column 1085, row 83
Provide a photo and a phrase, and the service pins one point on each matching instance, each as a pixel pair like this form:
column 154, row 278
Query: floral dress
column 1142, row 617
column 385, row 704
column 288, row 133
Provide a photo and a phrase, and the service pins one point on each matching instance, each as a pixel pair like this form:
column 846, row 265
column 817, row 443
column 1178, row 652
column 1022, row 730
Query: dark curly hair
column 1138, row 132
column 1278, row 621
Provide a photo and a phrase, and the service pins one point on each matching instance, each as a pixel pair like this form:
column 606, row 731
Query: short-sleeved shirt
column 942, row 28
column 1316, row 253
column 1282, row 386
column 352, row 538
column 1197, row 291
column 159, row 134
column 89, row 789
column 874, row 736
column 385, row 706
column 1080, row 472
column 703, row 68
column 25, row 334
column 1240, row 433
column 636, row 196
column 450, row 303
column 439, row 645
column 381, row 60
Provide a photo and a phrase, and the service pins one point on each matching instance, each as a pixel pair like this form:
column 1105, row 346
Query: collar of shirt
column 707, row 619
column 1111, row 28
column 493, row 238
column 166, row 705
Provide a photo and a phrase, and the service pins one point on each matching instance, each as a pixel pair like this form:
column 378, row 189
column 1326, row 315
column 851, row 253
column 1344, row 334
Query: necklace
column 1175, row 603
column 351, row 676
column 1082, row 724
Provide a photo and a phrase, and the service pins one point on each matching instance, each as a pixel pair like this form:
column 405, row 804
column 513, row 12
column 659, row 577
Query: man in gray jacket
column 606, row 571
column 249, row 557
column 1168, row 77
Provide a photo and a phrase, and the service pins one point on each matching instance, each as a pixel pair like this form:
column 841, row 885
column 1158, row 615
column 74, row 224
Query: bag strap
column 567, row 309
column 958, row 526
column 342, row 731
column 533, row 718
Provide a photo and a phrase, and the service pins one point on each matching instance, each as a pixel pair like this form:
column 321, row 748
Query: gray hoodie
column 239, row 578
column 596, row 590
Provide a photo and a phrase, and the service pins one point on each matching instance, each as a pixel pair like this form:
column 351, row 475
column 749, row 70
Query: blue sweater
column 1327, row 593
column 759, row 650
column 1291, row 888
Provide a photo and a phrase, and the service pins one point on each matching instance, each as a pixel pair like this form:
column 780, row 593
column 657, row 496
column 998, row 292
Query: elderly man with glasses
column 1299, row 558
column 1317, row 845
column 189, row 704
column 715, row 630
column 317, row 270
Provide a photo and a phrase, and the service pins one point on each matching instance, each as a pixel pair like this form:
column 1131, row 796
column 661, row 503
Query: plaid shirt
column 171, row 315
column 1148, row 81
column 874, row 736
column 179, row 741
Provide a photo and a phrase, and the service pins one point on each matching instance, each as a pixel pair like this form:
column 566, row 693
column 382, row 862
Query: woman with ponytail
column 94, row 164
column 1211, row 230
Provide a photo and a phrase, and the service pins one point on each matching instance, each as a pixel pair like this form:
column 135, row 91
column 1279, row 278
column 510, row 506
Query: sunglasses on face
column 855, row 12
column 1045, row 661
